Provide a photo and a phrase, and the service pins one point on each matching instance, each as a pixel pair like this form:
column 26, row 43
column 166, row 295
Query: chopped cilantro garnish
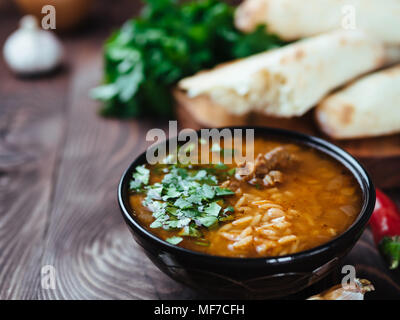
column 190, row 231
column 200, row 175
column 202, row 243
column 182, row 203
column 174, row 240
column 228, row 209
column 207, row 191
column 186, row 200
column 140, row 178
column 208, row 221
column 171, row 194
column 220, row 166
column 227, row 214
column 213, row 209
column 154, row 191
column 223, row 191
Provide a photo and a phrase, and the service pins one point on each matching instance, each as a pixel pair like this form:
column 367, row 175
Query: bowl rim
column 324, row 146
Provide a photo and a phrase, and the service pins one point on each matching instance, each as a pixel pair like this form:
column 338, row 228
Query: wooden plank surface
column 59, row 168
column 28, row 162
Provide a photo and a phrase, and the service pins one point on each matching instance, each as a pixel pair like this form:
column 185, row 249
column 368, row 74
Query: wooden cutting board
column 380, row 156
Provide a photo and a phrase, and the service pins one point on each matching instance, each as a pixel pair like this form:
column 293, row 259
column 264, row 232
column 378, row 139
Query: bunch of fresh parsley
column 185, row 200
column 169, row 41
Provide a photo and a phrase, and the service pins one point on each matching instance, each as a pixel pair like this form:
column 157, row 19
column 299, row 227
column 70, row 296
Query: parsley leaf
column 174, row 240
column 207, row 191
column 140, row 177
column 208, row 221
column 190, row 231
column 182, row 203
column 223, row 191
column 220, row 166
column 170, row 40
column 213, row 209
column 228, row 209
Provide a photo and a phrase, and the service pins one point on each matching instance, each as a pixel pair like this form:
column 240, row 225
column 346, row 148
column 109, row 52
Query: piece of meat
column 262, row 171
column 269, row 180
column 261, row 165
column 245, row 170
column 230, row 184
column 272, row 177
column 278, row 158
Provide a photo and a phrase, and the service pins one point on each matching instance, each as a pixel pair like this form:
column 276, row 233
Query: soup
column 292, row 198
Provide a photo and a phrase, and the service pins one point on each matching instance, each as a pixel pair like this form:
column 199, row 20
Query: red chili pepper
column 385, row 224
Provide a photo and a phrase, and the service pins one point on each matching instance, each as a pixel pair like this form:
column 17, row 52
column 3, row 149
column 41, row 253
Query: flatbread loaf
column 368, row 107
column 295, row 19
column 288, row 81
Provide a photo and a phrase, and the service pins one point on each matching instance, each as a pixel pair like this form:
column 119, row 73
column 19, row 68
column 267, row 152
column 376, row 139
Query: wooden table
column 59, row 168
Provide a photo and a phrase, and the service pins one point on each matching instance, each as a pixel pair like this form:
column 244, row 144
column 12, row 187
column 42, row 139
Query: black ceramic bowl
column 269, row 277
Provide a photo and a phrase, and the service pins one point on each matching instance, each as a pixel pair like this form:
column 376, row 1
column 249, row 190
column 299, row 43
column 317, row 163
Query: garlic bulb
column 31, row 50
column 354, row 291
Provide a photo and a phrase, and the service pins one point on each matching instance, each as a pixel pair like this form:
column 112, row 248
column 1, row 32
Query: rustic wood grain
column 59, row 168
column 31, row 134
